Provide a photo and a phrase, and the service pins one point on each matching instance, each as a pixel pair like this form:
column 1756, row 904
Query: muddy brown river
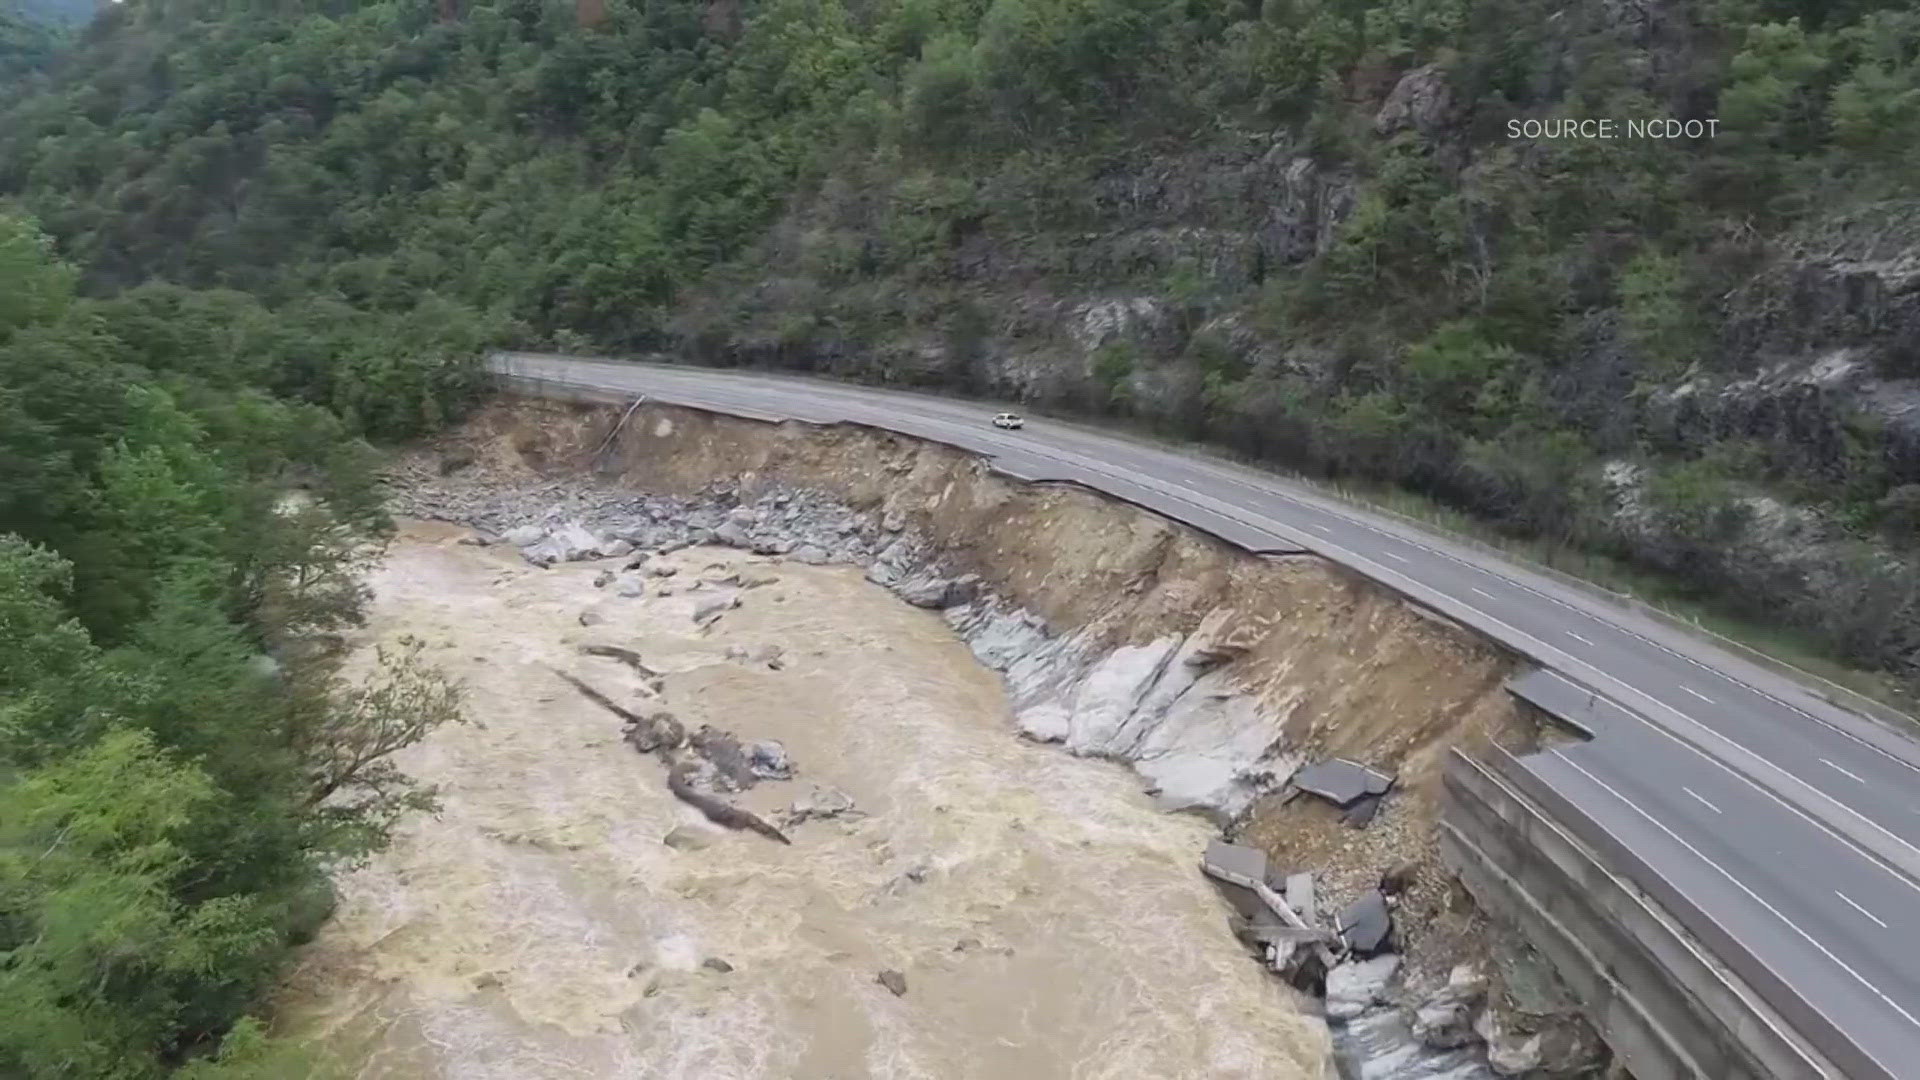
column 1047, row 921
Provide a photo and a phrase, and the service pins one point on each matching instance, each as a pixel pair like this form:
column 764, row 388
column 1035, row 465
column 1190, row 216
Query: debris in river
column 657, row 731
column 598, row 698
column 821, row 803
column 718, row 811
column 625, row 656
column 892, row 980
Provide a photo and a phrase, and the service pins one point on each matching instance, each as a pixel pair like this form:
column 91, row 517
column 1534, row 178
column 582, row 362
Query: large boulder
column 1358, row 985
column 928, row 590
column 568, row 543
column 1421, row 100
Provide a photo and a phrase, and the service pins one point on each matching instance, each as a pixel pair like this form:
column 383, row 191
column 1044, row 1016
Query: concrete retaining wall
column 1667, row 1008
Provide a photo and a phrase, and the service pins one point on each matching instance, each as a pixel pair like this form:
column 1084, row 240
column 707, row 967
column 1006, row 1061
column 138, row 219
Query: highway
column 1786, row 828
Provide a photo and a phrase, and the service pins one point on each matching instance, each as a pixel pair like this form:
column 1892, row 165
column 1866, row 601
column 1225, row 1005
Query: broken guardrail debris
column 1247, row 868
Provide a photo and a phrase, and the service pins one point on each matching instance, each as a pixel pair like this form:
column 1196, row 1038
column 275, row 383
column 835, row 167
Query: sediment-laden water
column 1047, row 921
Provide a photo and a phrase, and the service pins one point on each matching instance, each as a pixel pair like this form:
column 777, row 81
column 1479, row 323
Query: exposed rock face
column 1421, row 100
column 1201, row 743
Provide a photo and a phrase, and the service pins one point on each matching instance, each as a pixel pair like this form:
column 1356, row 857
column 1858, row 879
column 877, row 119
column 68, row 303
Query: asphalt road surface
column 1790, row 824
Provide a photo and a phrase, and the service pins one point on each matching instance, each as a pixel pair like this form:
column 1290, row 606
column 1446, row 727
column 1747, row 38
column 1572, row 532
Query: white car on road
column 1008, row 420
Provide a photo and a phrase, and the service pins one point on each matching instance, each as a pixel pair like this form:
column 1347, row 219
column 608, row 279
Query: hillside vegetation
column 1301, row 229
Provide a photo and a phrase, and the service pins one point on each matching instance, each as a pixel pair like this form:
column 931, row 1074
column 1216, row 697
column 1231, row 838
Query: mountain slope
column 1315, row 230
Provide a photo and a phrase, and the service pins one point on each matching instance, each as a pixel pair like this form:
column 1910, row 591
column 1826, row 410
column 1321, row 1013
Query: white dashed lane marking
column 1859, row 909
column 1697, row 694
column 1754, row 896
column 1850, row 775
column 1703, row 801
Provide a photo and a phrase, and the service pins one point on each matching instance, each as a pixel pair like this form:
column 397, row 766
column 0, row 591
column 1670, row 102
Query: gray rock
column 591, row 618
column 893, row 521
column 810, row 554
column 733, row 534
column 630, row 586
column 1421, row 100
column 603, row 579
column 660, row 569
column 715, row 964
column 1509, row 1052
column 1358, row 985
column 1444, row 1025
column 1377, row 1045
column 524, row 535
column 742, row 516
column 568, row 543
column 928, row 591
column 892, row 980
column 616, row 548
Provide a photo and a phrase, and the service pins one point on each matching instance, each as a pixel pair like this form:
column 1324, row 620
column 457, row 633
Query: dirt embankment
column 1328, row 663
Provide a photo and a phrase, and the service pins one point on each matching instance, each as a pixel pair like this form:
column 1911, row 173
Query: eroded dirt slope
column 1341, row 667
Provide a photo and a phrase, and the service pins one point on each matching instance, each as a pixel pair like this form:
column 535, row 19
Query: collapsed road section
column 1825, row 776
